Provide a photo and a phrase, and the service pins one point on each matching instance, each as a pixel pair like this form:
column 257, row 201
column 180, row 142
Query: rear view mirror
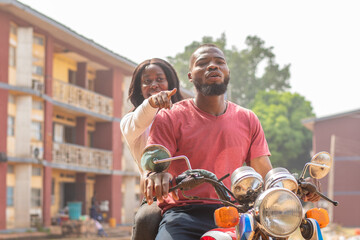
column 319, row 166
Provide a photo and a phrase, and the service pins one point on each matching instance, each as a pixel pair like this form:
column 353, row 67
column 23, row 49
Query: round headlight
column 279, row 211
column 281, row 177
column 246, row 184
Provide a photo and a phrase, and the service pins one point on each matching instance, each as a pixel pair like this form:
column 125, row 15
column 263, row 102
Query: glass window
column 38, row 70
column 13, row 29
column 10, row 196
column 11, row 98
column 52, row 191
column 36, row 171
column 72, row 76
column 37, row 105
column 10, row 168
column 12, row 56
column 38, row 40
column 35, row 197
column 11, row 126
column 36, row 130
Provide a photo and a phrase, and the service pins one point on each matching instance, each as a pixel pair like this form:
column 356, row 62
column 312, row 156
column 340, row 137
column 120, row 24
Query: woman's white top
column 135, row 127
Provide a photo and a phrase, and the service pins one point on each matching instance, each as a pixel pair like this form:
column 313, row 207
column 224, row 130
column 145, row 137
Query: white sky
column 321, row 39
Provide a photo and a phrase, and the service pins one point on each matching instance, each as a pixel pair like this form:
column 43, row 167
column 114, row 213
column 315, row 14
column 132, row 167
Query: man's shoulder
column 177, row 108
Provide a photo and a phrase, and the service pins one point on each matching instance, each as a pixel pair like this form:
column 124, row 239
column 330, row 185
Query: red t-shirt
column 219, row 144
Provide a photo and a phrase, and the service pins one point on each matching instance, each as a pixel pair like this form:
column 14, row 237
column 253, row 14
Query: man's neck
column 214, row 105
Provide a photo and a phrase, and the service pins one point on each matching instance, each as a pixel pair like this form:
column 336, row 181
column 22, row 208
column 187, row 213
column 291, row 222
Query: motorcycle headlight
column 246, row 184
column 279, row 212
column 281, row 177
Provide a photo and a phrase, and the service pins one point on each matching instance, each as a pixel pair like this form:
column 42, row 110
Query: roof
column 309, row 123
column 65, row 34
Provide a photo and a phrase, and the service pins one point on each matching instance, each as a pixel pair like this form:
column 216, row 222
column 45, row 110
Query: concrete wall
column 22, row 195
column 23, row 126
column 24, row 57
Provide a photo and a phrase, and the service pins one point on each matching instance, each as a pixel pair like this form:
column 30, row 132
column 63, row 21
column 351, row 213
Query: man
column 215, row 134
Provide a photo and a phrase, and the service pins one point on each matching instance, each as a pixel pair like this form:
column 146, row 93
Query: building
column 339, row 134
column 61, row 101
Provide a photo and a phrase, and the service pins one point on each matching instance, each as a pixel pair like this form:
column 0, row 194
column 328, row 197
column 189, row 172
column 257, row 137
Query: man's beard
column 214, row 89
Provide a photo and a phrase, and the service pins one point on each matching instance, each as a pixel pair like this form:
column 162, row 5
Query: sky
column 320, row 39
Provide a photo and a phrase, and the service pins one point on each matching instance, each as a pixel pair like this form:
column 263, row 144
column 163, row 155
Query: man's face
column 209, row 71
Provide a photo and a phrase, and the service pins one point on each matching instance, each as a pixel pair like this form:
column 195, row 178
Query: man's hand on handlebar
column 310, row 189
column 157, row 185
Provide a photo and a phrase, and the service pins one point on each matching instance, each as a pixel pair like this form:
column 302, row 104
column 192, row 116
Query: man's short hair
column 210, row 45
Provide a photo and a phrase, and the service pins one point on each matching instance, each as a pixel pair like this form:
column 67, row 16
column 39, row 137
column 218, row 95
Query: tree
column 280, row 114
column 252, row 69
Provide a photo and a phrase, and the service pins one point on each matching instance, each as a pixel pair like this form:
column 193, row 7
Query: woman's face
column 153, row 81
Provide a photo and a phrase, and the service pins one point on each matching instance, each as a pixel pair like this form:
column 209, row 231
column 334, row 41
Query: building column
column 22, row 126
column 48, row 133
column 22, row 195
column 81, row 131
column 4, row 95
column 80, row 188
column 24, row 57
column 109, row 83
column 22, row 192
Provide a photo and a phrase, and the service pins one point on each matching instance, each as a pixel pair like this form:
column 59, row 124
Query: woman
column 148, row 92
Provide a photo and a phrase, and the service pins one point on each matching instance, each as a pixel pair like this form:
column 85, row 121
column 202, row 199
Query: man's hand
column 162, row 99
column 157, row 185
column 311, row 195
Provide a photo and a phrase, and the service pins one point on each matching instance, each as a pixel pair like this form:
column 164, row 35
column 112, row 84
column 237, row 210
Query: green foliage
column 252, row 69
column 280, row 115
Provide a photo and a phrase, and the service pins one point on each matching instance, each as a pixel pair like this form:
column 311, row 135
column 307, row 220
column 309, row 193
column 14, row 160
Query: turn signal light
column 226, row 217
column 320, row 215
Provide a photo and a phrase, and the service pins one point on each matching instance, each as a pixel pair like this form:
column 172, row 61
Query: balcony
column 79, row 156
column 82, row 98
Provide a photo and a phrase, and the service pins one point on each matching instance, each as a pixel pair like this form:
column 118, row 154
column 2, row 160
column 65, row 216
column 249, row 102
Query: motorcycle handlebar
column 309, row 187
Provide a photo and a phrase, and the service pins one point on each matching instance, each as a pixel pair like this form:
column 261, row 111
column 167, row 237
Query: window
column 10, row 196
column 91, row 85
column 36, row 171
column 11, row 126
column 35, row 197
column 37, row 105
column 10, row 169
column 38, row 70
column 52, row 191
column 12, row 56
column 11, row 98
column 70, row 134
column 72, row 76
column 36, row 130
column 39, row 40
column 13, row 29
column 90, row 139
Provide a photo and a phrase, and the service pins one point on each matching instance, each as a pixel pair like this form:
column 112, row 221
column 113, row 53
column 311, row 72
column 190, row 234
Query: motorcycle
column 254, row 209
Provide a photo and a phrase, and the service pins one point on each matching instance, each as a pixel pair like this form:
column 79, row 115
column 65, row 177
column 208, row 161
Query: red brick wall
column 4, row 71
column 346, row 165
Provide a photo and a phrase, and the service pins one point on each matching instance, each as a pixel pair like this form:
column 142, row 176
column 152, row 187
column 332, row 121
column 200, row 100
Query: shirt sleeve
column 258, row 146
column 134, row 124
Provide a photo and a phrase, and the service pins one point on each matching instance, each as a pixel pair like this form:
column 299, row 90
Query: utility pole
column 331, row 178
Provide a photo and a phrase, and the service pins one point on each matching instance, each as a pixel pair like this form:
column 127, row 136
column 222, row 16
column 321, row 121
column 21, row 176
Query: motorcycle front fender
column 220, row 234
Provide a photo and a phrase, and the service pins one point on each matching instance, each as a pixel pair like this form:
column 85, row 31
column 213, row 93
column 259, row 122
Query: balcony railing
column 75, row 155
column 83, row 98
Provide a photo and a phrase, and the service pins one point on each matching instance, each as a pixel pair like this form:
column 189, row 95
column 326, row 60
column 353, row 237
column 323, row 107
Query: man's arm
column 262, row 165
